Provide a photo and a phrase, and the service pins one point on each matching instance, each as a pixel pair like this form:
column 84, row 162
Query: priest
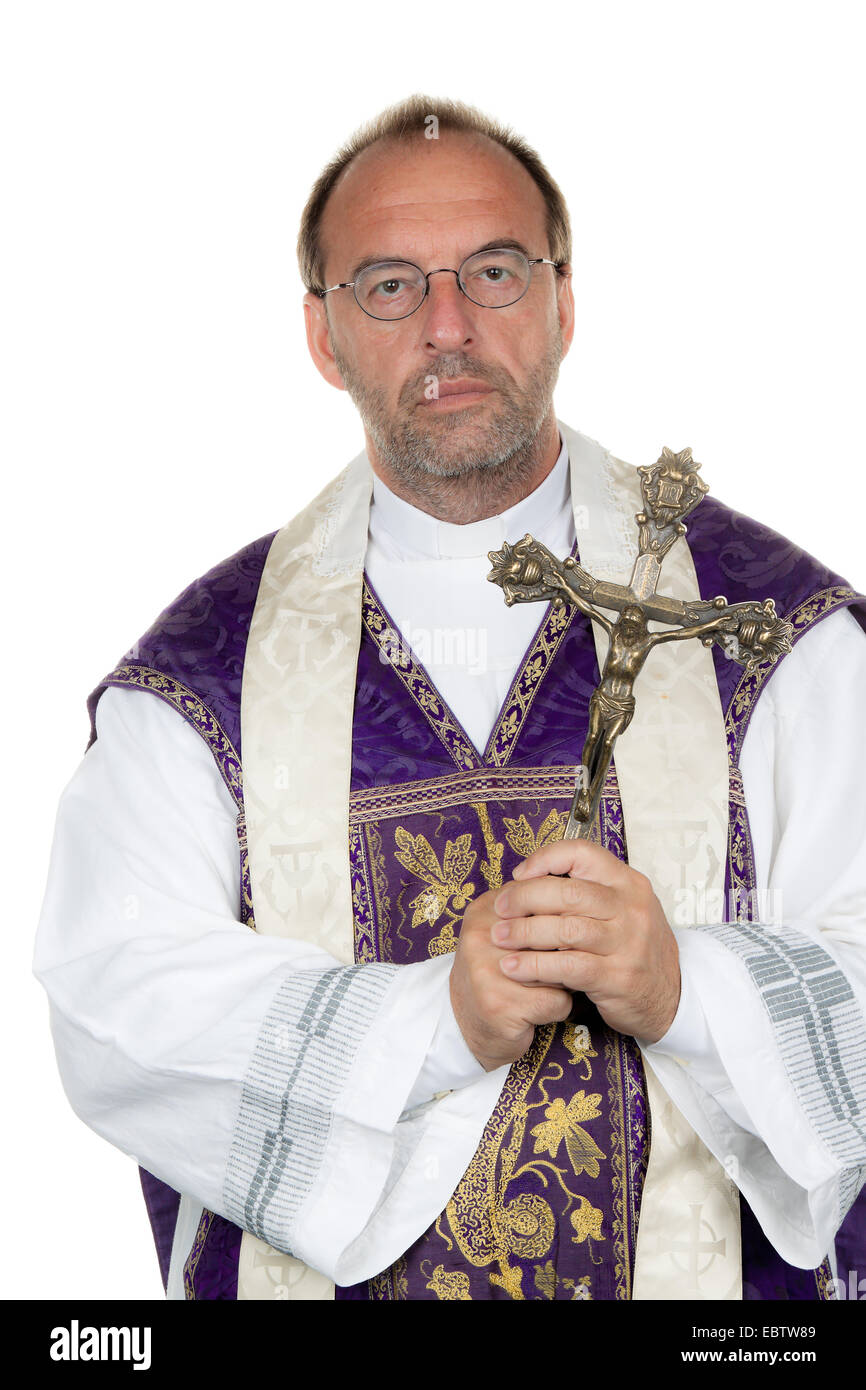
column 317, row 954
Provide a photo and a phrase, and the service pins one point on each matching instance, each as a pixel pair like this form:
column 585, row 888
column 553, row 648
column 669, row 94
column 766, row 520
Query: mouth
column 456, row 394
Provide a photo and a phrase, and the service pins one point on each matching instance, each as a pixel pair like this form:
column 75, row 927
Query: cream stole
column 296, row 720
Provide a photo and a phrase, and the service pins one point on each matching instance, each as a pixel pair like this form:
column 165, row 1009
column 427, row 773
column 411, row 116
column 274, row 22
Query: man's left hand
column 600, row 930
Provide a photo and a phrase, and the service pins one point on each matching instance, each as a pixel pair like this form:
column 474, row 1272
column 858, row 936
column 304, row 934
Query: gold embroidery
column 417, row 683
column 534, row 784
column 448, row 881
column 524, row 841
column 491, row 867
column 390, row 1284
column 547, row 1283
column 522, row 1227
column 577, row 1039
column 195, row 1254
column 752, row 682
column 561, row 1123
column 625, row 1167
column 194, row 710
column 586, row 1222
column 582, row 1289
column 551, row 632
column 824, row 1281
column 527, row 683
column 448, row 1285
column 379, row 889
column 488, row 1228
column 545, row 1280
column 587, row 1226
column 246, row 903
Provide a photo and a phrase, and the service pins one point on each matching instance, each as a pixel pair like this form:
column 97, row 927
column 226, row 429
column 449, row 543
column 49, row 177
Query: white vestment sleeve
column 767, row 1054
column 179, row 1032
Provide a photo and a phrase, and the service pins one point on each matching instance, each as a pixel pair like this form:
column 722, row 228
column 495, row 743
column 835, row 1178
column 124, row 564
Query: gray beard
column 448, row 464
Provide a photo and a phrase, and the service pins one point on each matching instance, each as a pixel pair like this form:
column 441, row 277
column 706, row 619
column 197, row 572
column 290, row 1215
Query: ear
column 319, row 339
column 565, row 304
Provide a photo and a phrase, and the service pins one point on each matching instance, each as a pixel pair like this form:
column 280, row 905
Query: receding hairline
column 477, row 137
column 408, row 120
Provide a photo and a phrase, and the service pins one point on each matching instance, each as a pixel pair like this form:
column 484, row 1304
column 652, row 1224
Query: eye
column 389, row 287
column 495, row 273
column 496, row 277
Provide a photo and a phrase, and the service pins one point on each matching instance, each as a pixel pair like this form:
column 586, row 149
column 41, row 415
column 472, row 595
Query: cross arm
column 528, row 572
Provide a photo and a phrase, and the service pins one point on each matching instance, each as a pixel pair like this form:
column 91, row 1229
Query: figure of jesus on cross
column 750, row 633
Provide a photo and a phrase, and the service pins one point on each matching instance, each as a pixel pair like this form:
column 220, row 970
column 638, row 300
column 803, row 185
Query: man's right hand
column 496, row 1016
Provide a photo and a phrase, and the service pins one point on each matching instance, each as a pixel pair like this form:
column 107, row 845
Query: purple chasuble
column 549, row 1205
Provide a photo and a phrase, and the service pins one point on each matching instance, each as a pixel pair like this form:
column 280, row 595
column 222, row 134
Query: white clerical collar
column 420, row 534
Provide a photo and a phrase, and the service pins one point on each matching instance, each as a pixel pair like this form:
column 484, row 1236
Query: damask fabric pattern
column 199, row 641
column 195, row 647
column 823, row 1027
column 548, row 1206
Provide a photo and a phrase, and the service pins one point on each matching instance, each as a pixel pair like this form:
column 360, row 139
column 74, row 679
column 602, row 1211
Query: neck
column 479, row 492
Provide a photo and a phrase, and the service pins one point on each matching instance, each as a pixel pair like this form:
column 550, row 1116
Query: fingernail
column 500, row 931
column 518, row 871
column 510, row 964
column 502, row 903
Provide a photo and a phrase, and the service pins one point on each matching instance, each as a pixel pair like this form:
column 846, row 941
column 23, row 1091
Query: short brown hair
column 400, row 121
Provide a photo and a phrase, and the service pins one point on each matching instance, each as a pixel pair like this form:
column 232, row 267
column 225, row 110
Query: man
column 431, row 1070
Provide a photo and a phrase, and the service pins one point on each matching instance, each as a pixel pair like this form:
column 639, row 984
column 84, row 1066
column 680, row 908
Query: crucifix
column 749, row 633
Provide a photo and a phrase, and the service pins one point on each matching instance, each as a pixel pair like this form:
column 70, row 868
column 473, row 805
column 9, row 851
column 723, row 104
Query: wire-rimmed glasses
column 395, row 289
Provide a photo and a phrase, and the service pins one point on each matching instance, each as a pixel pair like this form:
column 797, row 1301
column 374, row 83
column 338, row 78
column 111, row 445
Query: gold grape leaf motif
column 443, row 882
column 561, row 1123
column 524, row 840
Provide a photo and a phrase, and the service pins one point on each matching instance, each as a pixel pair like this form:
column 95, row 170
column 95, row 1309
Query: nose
column 449, row 321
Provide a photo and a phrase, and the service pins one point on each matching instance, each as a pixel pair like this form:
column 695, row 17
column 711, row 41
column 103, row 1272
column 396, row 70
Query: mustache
column 467, row 367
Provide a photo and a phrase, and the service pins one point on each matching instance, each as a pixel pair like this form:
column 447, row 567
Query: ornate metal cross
column 750, row 633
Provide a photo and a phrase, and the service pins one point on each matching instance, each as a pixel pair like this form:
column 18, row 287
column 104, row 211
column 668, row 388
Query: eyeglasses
column 395, row 289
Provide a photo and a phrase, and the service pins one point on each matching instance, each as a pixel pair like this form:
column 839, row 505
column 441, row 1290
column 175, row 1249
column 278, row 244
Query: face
column 434, row 202
column 632, row 622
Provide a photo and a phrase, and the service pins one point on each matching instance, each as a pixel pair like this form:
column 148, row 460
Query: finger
column 572, row 970
column 577, row 858
column 580, row 897
column 543, row 1005
column 555, row 933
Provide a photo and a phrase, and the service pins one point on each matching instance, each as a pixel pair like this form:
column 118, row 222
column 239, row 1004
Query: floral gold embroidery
column 491, row 867
column 448, row 881
column 577, row 1038
column 524, row 841
column 561, row 1123
column 448, row 1285
column 587, row 1225
column 545, row 1280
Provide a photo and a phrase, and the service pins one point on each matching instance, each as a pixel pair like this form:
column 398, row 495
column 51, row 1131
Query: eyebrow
column 505, row 243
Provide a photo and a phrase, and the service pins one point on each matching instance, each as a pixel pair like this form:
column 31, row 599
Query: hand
column 496, row 1015
column 601, row 930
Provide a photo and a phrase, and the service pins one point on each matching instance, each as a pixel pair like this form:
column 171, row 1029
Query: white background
column 159, row 409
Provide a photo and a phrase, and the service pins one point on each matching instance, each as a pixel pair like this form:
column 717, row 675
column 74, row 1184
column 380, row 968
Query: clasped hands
column 525, row 947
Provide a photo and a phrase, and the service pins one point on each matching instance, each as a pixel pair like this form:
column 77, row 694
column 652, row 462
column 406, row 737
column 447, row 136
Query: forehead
column 428, row 199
